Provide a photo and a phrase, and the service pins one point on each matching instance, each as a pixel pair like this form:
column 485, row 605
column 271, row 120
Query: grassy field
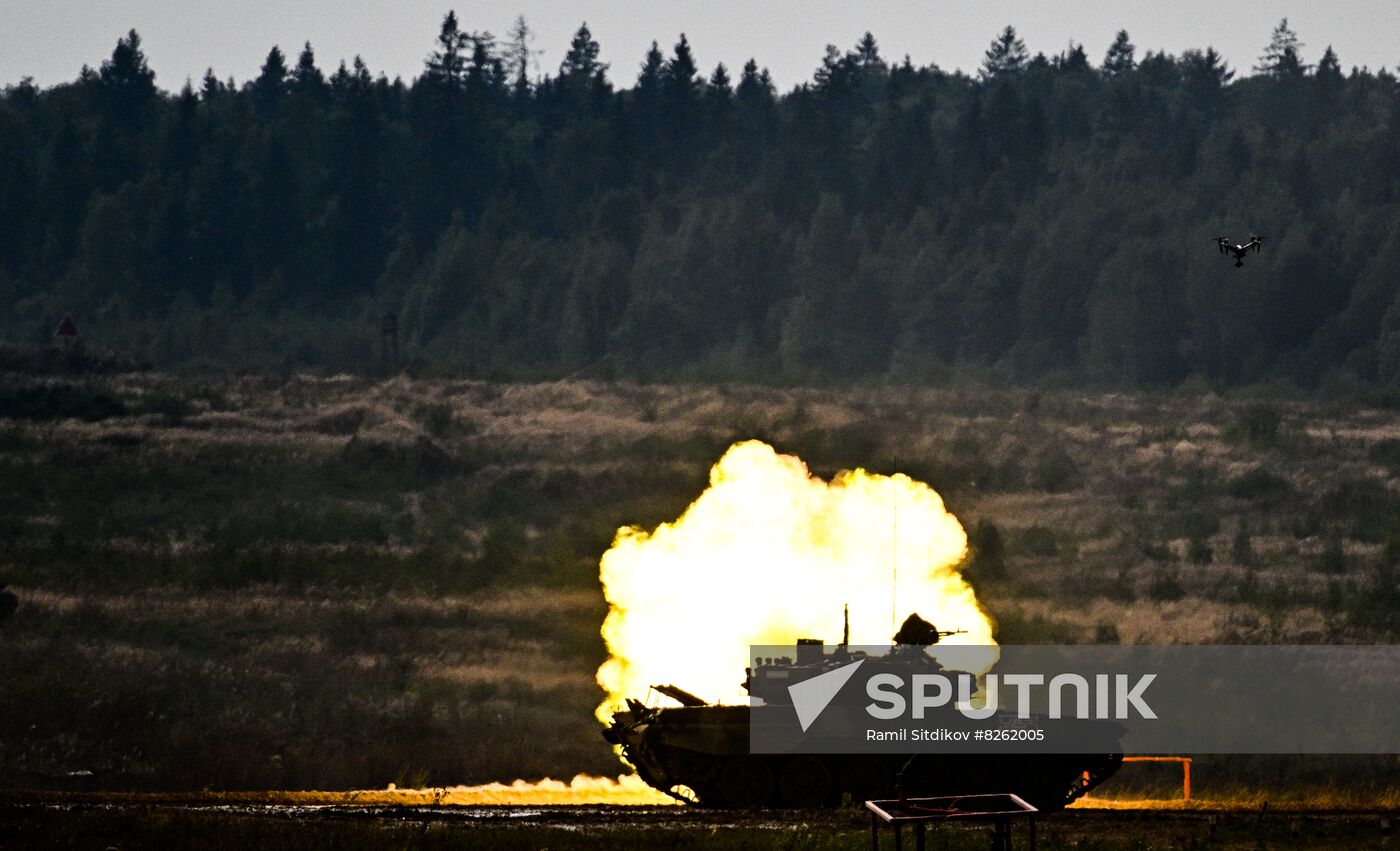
column 295, row 582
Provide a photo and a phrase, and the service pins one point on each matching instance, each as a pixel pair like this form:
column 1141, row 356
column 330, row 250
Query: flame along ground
column 769, row 553
column 627, row 790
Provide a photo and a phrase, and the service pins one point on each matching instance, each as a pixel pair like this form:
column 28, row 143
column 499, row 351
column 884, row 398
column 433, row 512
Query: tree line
column 1047, row 219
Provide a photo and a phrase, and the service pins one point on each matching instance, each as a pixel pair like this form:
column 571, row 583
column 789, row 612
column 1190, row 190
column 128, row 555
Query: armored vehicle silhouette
column 700, row 753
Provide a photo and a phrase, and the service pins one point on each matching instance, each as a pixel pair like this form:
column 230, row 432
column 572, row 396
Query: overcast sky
column 50, row 40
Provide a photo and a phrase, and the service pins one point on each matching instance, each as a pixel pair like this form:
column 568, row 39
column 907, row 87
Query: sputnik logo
column 811, row 697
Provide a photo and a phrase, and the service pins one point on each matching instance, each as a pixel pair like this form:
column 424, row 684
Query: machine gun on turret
column 917, row 632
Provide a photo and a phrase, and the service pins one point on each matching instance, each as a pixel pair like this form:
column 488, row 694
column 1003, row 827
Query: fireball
column 769, row 553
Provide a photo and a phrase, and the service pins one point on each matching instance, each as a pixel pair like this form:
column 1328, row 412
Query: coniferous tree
column 486, row 74
column 646, row 113
column 446, row 64
column 128, row 84
column 1119, row 59
column 754, row 88
column 1006, row 57
column 719, row 84
column 867, row 54
column 439, row 127
column 520, row 56
column 1074, row 60
column 872, row 71
column 649, row 79
column 209, row 86
column 755, row 107
column 581, row 61
column 1330, row 80
column 681, row 70
column 307, row 79
column 581, row 75
column 1204, row 77
column 719, row 95
column 271, row 83
column 1329, row 67
column 679, row 91
column 1283, row 55
column 126, row 100
column 179, row 145
column 833, row 76
column 19, row 207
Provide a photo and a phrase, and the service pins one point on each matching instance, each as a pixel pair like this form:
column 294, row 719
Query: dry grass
column 422, row 606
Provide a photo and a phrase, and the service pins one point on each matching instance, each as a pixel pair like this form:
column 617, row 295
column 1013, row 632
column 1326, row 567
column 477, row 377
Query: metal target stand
column 998, row 809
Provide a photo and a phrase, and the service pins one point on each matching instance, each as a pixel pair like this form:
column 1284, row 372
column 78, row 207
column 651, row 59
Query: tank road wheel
column 804, row 782
column 866, row 778
column 746, row 782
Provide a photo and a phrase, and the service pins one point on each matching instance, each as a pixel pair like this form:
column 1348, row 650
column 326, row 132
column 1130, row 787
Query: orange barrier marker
column 1185, row 769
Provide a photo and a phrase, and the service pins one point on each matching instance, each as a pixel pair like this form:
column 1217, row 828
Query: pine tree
column 178, row 147
column 833, row 75
column 1329, row 68
column 1006, row 57
column 307, row 79
column 1205, row 76
column 755, row 102
column 867, row 55
column 519, row 56
column 680, row 90
column 210, row 87
column 340, row 80
column 1282, row 58
column 872, row 73
column 1074, row 60
column 679, row 75
column 486, row 75
column 753, row 89
column 271, row 83
column 1159, row 70
column 581, row 62
column 719, row 84
column 649, row 79
column 581, row 74
column 446, row 64
column 719, row 97
column 360, row 79
column 127, row 83
column 1119, row 59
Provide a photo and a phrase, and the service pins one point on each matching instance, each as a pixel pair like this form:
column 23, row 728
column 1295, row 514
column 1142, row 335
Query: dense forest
column 1048, row 220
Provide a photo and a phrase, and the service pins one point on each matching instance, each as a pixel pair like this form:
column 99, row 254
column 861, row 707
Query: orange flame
column 627, row 790
column 769, row 553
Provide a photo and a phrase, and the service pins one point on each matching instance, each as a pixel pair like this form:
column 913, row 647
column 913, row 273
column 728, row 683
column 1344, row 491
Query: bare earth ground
column 299, row 583
column 89, row 824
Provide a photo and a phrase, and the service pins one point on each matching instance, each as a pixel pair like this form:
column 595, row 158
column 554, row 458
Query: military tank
column 698, row 752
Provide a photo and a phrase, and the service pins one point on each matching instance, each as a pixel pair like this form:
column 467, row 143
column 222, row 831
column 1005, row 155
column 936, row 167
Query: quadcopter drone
column 1254, row 244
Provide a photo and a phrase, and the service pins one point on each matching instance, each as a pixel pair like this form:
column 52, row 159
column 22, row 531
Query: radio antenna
column 894, row 553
